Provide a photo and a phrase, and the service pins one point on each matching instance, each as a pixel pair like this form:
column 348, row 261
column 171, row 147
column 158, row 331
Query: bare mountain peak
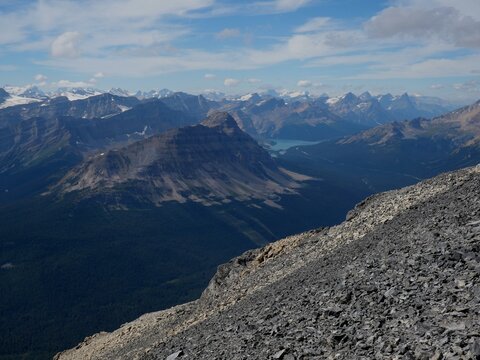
column 365, row 96
column 220, row 119
column 3, row 94
column 349, row 97
column 209, row 163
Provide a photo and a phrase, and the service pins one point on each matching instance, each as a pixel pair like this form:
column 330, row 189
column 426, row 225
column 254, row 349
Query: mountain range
column 48, row 136
column 112, row 206
column 365, row 107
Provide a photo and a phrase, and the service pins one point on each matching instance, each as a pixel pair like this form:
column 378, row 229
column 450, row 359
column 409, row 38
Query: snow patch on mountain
column 14, row 100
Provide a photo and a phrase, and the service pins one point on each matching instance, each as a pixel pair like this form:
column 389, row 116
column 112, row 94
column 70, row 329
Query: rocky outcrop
column 398, row 279
column 3, row 95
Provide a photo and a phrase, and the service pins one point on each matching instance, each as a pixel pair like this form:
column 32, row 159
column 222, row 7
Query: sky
column 427, row 47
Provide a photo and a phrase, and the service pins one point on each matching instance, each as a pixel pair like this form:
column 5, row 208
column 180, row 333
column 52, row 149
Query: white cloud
column 66, row 45
column 437, row 86
column 304, row 83
column 425, row 68
column 40, row 78
column 445, row 23
column 72, row 84
column 465, row 7
column 138, row 38
column 99, row 75
column 253, row 81
column 129, row 22
column 227, row 33
column 469, row 86
column 209, row 76
column 283, row 5
column 230, row 82
column 314, row 24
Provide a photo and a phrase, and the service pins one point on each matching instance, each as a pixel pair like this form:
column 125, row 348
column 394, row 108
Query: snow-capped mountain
column 365, row 96
column 120, row 92
column 153, row 94
column 252, row 97
column 28, row 91
column 75, row 93
column 11, row 96
column 214, row 95
column 372, row 110
column 365, row 109
column 408, row 106
column 34, row 92
column 288, row 95
column 16, row 90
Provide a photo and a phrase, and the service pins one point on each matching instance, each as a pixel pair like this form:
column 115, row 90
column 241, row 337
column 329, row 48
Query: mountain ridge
column 210, row 162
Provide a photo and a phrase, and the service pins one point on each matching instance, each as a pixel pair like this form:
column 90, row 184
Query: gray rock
column 279, row 354
column 175, row 355
column 475, row 349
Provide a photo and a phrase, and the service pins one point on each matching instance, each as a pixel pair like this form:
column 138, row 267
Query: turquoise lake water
column 284, row 144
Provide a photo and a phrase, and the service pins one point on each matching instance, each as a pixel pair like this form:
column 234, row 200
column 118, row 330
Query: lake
column 285, row 144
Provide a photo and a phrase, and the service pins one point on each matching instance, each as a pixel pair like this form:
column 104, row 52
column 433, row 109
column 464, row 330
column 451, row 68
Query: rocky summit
column 211, row 163
column 399, row 279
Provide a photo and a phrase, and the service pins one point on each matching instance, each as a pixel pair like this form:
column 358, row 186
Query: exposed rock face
column 195, row 105
column 3, row 95
column 364, row 109
column 211, row 162
column 31, row 142
column 398, row 279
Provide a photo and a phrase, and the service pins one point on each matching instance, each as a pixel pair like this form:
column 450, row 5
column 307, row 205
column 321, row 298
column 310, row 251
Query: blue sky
column 429, row 47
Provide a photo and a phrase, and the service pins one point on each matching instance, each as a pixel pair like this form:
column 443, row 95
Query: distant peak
column 250, row 97
column 365, row 96
column 349, row 96
column 387, row 96
column 220, row 119
column 4, row 93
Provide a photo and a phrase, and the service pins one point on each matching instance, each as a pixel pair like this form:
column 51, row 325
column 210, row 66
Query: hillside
column 398, row 278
